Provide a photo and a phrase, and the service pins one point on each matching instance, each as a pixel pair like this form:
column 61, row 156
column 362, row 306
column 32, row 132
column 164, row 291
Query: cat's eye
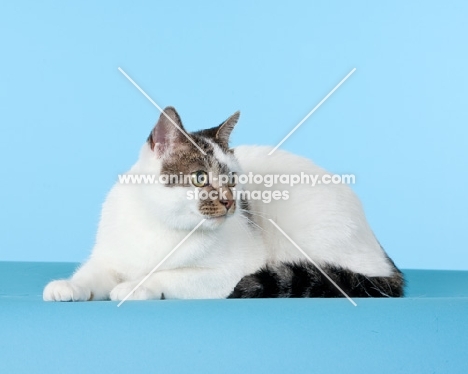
column 232, row 179
column 200, row 178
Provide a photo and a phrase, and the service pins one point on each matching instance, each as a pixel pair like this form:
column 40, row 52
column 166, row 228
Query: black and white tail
column 305, row 280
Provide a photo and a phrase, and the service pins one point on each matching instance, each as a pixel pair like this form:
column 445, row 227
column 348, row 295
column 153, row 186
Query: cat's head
column 199, row 170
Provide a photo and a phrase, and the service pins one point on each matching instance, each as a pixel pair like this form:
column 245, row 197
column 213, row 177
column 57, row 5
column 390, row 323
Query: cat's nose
column 227, row 203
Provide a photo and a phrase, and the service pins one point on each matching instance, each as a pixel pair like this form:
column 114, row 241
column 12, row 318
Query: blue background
column 70, row 122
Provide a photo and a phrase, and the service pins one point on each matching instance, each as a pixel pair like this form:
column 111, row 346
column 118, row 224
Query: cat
column 235, row 250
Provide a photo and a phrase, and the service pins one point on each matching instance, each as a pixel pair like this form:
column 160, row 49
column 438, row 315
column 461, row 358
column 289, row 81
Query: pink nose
column 227, row 203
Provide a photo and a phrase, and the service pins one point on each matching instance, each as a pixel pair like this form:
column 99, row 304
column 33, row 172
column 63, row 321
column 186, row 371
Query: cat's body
column 141, row 223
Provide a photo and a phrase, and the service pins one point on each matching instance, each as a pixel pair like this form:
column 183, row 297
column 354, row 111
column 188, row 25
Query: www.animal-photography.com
column 209, row 187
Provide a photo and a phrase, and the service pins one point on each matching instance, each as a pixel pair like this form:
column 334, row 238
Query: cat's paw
column 121, row 291
column 65, row 290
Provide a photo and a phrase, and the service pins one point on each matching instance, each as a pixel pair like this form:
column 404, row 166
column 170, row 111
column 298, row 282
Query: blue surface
column 426, row 332
column 70, row 122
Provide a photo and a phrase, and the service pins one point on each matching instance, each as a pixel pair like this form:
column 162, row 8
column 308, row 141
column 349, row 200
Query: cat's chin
column 192, row 221
column 214, row 222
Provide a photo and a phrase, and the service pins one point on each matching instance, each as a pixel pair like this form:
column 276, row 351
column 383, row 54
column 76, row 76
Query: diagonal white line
column 312, row 111
column 313, row 262
column 162, row 261
column 161, row 110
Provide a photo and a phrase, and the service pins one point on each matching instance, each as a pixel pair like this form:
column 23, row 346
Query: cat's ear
column 224, row 130
column 167, row 134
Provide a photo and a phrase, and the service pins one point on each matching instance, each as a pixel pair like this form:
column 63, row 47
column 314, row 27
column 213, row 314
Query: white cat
column 236, row 251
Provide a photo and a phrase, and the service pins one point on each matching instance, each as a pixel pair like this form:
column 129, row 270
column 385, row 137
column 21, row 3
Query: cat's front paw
column 65, row 290
column 121, row 291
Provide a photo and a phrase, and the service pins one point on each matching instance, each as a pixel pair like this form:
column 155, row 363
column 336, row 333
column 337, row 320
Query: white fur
column 140, row 224
column 326, row 221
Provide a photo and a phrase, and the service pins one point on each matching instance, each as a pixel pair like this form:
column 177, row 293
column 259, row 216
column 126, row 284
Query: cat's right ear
column 223, row 131
column 167, row 133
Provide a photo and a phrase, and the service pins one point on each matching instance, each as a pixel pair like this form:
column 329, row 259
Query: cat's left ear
column 224, row 130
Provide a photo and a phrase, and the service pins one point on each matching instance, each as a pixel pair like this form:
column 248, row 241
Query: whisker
column 252, row 222
column 239, row 223
column 253, row 213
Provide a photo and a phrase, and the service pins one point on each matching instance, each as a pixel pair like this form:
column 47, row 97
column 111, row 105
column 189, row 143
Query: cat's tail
column 303, row 279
